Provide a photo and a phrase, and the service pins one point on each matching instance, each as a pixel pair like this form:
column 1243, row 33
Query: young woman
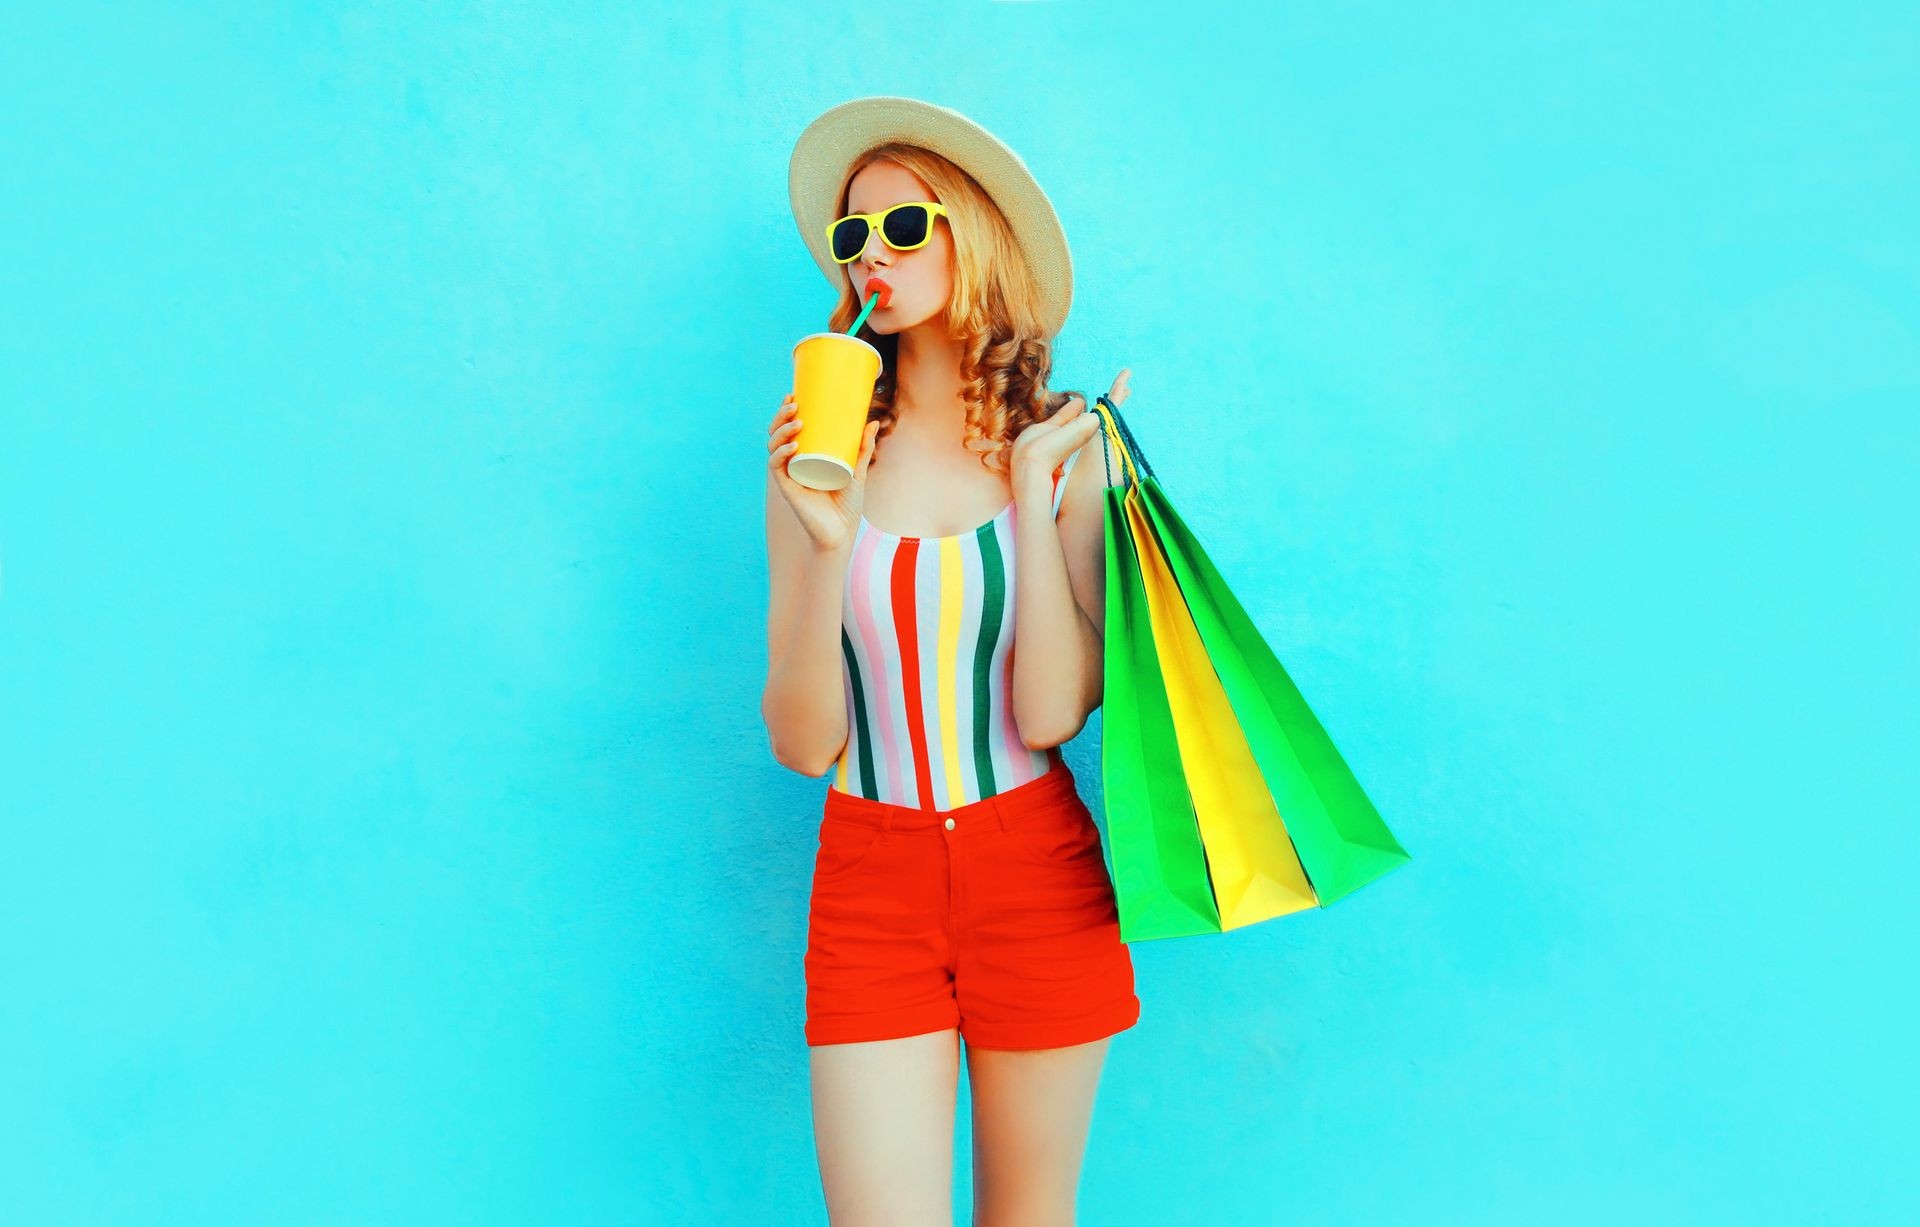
column 960, row 890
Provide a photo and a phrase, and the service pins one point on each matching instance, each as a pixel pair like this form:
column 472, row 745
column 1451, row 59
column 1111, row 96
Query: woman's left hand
column 1040, row 449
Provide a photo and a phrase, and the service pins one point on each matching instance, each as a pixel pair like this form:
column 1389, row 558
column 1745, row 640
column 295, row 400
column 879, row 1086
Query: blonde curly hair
column 1005, row 356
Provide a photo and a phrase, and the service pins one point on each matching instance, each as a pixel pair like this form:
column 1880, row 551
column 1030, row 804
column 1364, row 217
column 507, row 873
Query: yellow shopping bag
column 1255, row 872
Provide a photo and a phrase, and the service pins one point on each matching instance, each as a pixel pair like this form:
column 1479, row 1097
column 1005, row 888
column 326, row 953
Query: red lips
column 875, row 286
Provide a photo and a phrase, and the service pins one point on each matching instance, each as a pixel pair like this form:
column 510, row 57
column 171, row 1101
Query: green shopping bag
column 1340, row 838
column 1155, row 858
column 1256, row 873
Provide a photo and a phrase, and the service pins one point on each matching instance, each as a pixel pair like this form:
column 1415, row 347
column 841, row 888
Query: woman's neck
column 926, row 395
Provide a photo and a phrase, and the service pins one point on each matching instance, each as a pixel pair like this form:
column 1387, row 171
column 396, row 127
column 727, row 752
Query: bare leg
column 883, row 1129
column 1032, row 1109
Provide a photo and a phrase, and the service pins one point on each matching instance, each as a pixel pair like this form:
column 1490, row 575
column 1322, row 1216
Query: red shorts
column 996, row 917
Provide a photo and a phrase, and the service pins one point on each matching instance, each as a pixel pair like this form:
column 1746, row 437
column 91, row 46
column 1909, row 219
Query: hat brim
column 829, row 145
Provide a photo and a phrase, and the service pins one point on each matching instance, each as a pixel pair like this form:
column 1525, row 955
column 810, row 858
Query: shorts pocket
column 1064, row 839
column 844, row 847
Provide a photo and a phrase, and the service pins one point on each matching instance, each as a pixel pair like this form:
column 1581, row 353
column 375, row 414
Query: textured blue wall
column 390, row 835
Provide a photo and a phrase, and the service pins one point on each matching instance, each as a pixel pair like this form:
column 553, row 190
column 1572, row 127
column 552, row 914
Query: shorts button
column 949, row 824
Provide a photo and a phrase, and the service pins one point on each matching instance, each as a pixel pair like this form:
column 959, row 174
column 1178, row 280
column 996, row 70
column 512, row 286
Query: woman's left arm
column 1060, row 585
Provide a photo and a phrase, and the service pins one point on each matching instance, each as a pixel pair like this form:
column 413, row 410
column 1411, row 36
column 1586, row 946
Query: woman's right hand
column 831, row 517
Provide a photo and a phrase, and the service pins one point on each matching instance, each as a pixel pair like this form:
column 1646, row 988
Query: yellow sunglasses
column 902, row 227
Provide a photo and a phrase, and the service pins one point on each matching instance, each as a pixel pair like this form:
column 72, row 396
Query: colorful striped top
column 926, row 642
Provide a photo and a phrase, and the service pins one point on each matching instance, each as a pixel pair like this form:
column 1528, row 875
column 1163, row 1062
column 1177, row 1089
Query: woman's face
column 922, row 278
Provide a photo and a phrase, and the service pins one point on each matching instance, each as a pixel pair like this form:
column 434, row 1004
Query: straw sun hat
column 828, row 147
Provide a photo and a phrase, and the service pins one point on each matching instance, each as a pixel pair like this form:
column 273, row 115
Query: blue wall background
column 390, row 834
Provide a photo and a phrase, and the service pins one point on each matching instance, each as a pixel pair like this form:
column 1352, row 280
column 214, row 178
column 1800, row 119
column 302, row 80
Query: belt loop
column 886, row 820
column 1000, row 810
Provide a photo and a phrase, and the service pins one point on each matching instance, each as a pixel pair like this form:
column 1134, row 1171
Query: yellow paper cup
column 833, row 378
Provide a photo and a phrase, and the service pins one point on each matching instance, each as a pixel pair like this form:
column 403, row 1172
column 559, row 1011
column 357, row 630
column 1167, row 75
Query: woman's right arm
column 805, row 701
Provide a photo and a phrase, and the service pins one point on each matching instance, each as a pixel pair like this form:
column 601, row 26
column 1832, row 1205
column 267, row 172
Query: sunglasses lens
column 905, row 227
column 849, row 238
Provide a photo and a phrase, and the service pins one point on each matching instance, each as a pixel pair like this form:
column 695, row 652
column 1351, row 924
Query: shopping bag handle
column 1116, row 437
